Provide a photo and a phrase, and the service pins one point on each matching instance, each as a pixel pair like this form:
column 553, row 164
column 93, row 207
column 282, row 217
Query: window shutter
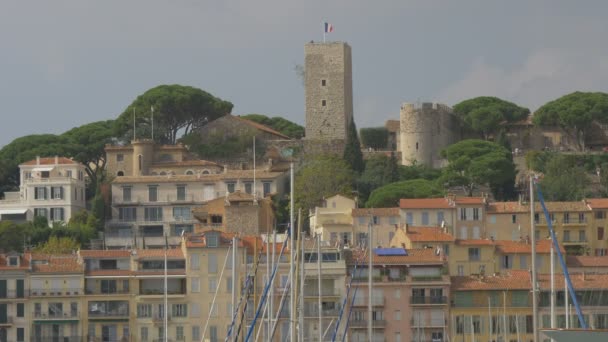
column 36, row 193
column 60, row 192
column 52, row 192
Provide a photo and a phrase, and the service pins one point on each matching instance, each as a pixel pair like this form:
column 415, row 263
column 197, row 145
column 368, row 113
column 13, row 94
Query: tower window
column 323, row 103
column 416, row 146
column 323, row 83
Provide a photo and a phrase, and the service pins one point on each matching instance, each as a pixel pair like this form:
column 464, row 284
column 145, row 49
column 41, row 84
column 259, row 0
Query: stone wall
column 328, row 90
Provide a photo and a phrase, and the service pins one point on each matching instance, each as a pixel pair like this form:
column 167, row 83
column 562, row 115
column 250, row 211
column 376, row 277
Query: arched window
column 163, row 173
column 189, row 172
column 205, row 172
column 120, row 173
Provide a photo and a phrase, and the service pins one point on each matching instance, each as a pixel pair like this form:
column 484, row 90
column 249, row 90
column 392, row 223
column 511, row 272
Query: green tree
column 472, row 163
column 389, row 195
column 58, row 245
column 12, row 236
column 485, row 114
column 279, row 124
column 352, row 150
column 564, row 179
column 379, row 170
column 374, row 137
column 574, row 113
column 176, row 108
column 416, row 171
column 321, row 177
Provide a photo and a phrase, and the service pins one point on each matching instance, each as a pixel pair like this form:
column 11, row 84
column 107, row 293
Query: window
column 416, row 146
column 56, row 214
column 361, row 220
column 126, row 194
column 345, row 238
column 140, row 162
column 523, row 262
column 195, row 284
column 463, row 233
column 212, row 239
column 40, row 193
column 392, row 220
column 179, row 310
column 476, row 233
column 20, row 309
column 55, row 309
column 194, row 261
column 474, row 254
column 196, row 332
column 446, row 249
column 40, row 212
column 229, row 311
column 213, row 310
column 566, row 217
column 28, row 175
column 57, row 192
column 229, row 284
column 212, row 285
column 181, row 192
column 108, row 286
column 600, row 233
column 601, row 251
column 425, row 218
column 181, row 213
column 476, row 214
column 600, row 215
column 153, row 193
column 463, row 214
column 213, row 333
column 507, row 261
column 513, row 218
column 20, row 334
column 153, row 214
column 581, row 218
column 13, row 261
column 144, row 310
column 323, row 83
column 127, row 214
column 582, row 236
column 397, row 315
column 323, row 103
column 143, row 335
column 249, row 187
column 266, row 186
column 460, row 270
column 397, row 293
column 375, row 220
column 409, row 218
column 440, row 217
column 120, row 157
column 179, row 333
column 566, row 236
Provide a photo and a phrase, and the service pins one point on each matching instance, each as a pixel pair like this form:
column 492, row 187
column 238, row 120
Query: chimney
column 56, row 160
column 37, row 160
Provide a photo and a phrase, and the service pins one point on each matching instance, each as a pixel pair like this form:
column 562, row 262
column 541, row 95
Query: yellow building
column 491, row 308
column 334, row 220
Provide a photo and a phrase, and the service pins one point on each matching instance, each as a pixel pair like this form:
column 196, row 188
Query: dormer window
column 13, row 261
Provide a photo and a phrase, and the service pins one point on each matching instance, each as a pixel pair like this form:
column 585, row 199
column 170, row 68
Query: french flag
column 329, row 28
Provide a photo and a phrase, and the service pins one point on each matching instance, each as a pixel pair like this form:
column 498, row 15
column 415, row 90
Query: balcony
column 160, row 292
column 428, row 300
column 427, row 278
column 376, row 301
column 109, row 314
column 358, row 324
column 106, row 292
column 313, row 311
column 6, row 321
column 56, row 315
column 11, row 294
column 54, row 338
column 428, row 323
column 575, row 221
column 574, row 241
column 55, row 292
column 160, row 319
column 325, row 292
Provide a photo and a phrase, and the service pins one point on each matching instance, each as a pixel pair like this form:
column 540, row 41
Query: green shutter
column 3, row 316
column 3, row 288
column 463, row 299
column 20, row 288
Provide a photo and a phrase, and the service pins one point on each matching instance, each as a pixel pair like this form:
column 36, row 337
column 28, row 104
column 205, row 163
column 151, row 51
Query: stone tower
column 328, row 82
column 425, row 130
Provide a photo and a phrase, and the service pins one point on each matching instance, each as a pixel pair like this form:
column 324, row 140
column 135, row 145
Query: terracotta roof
column 424, row 256
column 375, row 211
column 228, row 175
column 522, row 247
column 424, row 203
column 392, row 125
column 24, row 261
column 475, row 242
column 579, row 280
column 114, row 273
column 428, row 234
column 515, row 207
column 260, row 126
column 469, row 200
column 239, row 196
column 50, row 161
column 172, row 253
column 59, row 263
column 104, row 253
column 597, row 203
column 511, row 280
column 586, row 261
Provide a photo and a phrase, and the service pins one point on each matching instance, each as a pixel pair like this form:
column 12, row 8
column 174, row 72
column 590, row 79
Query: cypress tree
column 352, row 150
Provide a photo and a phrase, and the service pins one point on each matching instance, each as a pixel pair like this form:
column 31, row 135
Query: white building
column 51, row 187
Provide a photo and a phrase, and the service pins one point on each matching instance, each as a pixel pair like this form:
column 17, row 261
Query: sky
column 68, row 63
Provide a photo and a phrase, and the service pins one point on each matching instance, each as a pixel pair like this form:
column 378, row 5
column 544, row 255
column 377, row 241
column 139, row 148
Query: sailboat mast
column 552, row 256
column 320, row 289
column 369, row 281
column 292, row 298
column 533, row 240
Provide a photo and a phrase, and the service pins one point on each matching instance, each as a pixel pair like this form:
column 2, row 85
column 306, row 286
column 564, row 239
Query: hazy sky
column 67, row 63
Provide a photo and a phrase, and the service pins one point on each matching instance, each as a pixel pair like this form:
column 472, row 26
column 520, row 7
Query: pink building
column 410, row 292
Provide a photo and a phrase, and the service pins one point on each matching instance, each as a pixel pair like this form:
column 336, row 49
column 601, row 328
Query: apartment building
column 597, row 231
column 51, row 187
column 409, row 295
column 383, row 222
column 14, row 318
column 333, row 220
column 157, row 187
column 491, row 307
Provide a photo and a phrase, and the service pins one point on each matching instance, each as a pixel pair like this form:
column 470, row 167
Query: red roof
column 597, row 203
column 511, row 280
column 59, row 263
column 469, row 200
column 586, row 261
column 475, row 242
column 424, row 203
column 428, row 234
column 260, row 126
column 50, row 161
column 172, row 253
column 579, row 280
column 104, row 253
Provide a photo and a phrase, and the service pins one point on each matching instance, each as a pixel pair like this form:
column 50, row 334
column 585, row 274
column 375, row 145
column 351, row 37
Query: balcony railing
column 111, row 314
column 156, row 292
column 311, row 311
column 376, row 301
column 51, row 338
column 428, row 300
column 428, row 323
column 363, row 323
column 427, row 278
column 8, row 320
column 55, row 315
column 314, row 292
column 574, row 240
column 55, row 292
column 9, row 294
column 107, row 292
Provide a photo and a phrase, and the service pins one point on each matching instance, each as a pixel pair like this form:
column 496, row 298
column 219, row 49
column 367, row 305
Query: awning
column 44, row 168
column 13, row 211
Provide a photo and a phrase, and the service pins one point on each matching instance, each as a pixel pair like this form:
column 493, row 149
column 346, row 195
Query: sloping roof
column 104, row 253
column 24, row 261
column 428, row 234
column 579, row 281
column 424, row 203
column 511, row 280
column 475, row 242
column 469, row 200
column 516, row 207
column 597, row 203
column 172, row 253
column 59, row 263
column 260, row 126
column 49, row 161
column 586, row 261
column 375, row 211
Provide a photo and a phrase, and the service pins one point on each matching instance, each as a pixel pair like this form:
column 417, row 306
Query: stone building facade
column 328, row 89
column 425, row 130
